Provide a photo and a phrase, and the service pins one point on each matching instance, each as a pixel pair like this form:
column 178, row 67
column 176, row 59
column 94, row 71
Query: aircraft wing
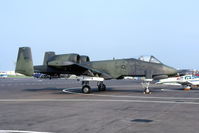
column 185, row 83
column 82, row 69
column 193, row 82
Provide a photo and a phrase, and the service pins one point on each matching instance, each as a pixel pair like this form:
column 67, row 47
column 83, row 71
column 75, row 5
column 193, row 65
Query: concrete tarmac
column 58, row 106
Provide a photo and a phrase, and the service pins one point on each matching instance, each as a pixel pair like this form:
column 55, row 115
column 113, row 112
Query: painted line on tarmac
column 179, row 90
column 19, row 131
column 98, row 100
column 34, row 84
column 124, row 96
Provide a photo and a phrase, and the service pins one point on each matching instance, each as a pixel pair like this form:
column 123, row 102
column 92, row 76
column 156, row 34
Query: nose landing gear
column 146, row 85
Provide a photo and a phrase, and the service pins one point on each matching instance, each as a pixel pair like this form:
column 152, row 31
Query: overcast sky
column 102, row 29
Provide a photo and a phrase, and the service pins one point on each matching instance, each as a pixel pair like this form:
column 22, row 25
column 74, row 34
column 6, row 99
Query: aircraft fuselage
column 114, row 68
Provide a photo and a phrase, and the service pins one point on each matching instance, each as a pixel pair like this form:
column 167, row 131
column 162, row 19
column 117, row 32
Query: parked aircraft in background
column 186, row 81
column 94, row 70
column 3, row 75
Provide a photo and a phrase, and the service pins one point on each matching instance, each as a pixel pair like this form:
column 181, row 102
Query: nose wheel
column 147, row 91
column 146, row 85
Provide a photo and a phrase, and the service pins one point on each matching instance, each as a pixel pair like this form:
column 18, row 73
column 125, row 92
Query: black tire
column 102, row 87
column 147, row 91
column 86, row 89
column 99, row 88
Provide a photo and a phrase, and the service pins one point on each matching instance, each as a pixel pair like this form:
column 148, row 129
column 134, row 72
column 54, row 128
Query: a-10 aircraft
column 187, row 81
column 94, row 70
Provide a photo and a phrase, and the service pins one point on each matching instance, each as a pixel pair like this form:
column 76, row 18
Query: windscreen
column 151, row 59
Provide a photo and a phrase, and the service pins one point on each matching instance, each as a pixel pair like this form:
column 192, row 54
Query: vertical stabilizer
column 47, row 56
column 24, row 63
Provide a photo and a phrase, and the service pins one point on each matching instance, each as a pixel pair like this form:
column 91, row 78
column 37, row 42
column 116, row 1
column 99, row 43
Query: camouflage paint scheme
column 81, row 65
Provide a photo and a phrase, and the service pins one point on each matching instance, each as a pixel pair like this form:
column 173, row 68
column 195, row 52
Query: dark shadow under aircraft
column 53, row 64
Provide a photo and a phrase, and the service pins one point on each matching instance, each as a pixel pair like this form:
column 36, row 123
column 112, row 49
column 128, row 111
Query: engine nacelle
column 84, row 58
column 65, row 59
column 74, row 58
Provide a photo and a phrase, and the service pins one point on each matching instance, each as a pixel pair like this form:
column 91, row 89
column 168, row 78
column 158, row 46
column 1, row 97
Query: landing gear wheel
column 147, row 91
column 146, row 85
column 86, row 89
column 101, row 87
column 187, row 88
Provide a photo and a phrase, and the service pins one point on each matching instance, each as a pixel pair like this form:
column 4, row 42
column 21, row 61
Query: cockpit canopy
column 150, row 59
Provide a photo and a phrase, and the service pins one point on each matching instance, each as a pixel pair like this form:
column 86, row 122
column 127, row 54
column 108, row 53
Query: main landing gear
column 86, row 89
column 101, row 86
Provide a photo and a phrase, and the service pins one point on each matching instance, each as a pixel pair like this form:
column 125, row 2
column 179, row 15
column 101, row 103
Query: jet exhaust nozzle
column 24, row 63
